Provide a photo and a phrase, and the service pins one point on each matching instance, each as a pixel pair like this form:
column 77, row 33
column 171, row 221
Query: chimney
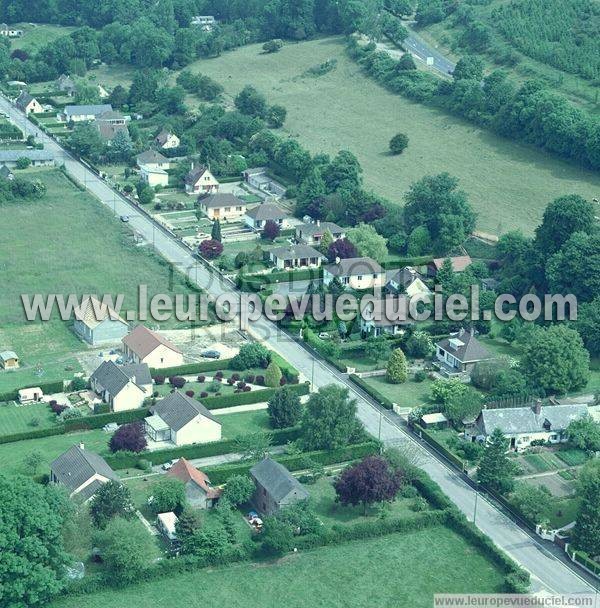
column 537, row 407
column 81, row 445
column 337, row 261
column 192, row 166
column 318, row 222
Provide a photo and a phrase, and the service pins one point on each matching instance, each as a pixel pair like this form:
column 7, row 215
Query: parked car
column 125, row 218
column 211, row 354
column 167, row 465
column 324, row 335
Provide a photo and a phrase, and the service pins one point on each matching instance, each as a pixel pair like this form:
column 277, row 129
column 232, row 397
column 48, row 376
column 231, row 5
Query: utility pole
column 475, row 507
column 312, row 375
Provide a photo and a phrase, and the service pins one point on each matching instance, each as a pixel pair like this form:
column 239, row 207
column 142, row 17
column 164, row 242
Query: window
column 359, row 277
column 227, row 209
column 374, row 276
column 345, row 280
column 238, row 208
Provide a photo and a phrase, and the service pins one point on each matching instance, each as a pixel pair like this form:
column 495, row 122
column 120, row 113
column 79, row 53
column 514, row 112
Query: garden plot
column 554, row 483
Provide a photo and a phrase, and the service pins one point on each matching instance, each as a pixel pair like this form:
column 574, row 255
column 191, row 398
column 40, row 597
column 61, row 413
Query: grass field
column 509, row 184
column 37, row 35
column 395, row 570
column 242, row 423
column 17, row 419
column 408, row 394
column 64, row 243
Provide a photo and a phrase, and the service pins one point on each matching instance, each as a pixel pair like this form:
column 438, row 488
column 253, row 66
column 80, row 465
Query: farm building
column 9, row 360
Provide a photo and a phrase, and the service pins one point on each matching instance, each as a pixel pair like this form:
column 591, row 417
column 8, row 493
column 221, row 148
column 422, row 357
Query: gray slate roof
column 276, row 479
column 77, row 465
column 471, row 349
column 114, row 378
column 86, row 110
column 219, row 200
column 405, row 276
column 177, row 410
column 266, row 211
column 23, row 100
column 354, row 267
column 321, row 228
column 516, row 420
column 150, row 157
column 5, row 172
column 294, row 252
column 14, row 155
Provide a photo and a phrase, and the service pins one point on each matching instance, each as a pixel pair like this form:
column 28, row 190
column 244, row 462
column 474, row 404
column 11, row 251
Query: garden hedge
column 254, row 396
column 56, row 386
column 379, row 397
column 192, row 368
column 97, row 421
column 431, row 440
column 125, row 460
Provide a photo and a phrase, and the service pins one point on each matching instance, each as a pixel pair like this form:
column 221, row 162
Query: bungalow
column 387, row 316
column 355, row 273
column 123, row 387
column 28, row 104
column 312, row 233
column 10, row 32
column 167, row 140
column 9, row 360
column 84, row 113
column 66, row 84
column 198, row 489
column 275, row 487
column 153, row 160
column 97, row 323
column 154, row 176
column 38, row 158
column 200, row 181
column 257, row 217
column 182, row 420
column 145, row 346
column 296, row 256
column 109, row 124
column 30, row 395
column 406, row 280
column 523, row 425
column 459, row 264
column 222, row 207
column 81, row 472
column 459, row 353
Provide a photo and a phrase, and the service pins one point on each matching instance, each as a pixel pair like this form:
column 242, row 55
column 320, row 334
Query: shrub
column 398, row 143
column 420, row 376
column 210, row 249
column 189, row 393
column 203, row 395
column 273, row 375
column 159, row 379
column 251, row 355
column 78, row 384
column 129, row 437
column 260, row 380
column 282, row 381
column 70, row 413
column 247, row 389
column 397, row 371
column 201, row 379
column 235, row 377
column 177, row 381
column 219, row 374
column 250, row 378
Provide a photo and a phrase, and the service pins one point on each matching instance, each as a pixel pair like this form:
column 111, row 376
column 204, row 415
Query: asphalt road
column 549, row 572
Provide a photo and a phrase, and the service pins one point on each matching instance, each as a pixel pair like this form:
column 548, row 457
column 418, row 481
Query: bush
column 273, row 375
column 177, row 381
column 420, row 376
column 251, row 354
column 203, row 395
column 260, row 380
column 159, row 379
column 189, row 393
column 201, row 379
column 129, row 437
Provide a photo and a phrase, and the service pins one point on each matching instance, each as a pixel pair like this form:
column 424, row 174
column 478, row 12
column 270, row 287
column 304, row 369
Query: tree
column 397, row 369
column 564, row 217
column 376, row 348
column 555, row 360
column 23, row 162
column 369, row 481
column 276, row 116
column 33, row 461
column 118, row 97
column 586, row 533
column 405, row 63
column 254, row 446
column 368, row 243
column 272, row 46
column 249, row 101
column 277, row 536
column 468, row 68
column 238, row 490
column 168, row 495
column 251, row 354
column 129, row 437
column 126, row 549
column 584, row 434
column 210, row 249
column 273, row 375
column 301, row 517
column 495, row 470
column 85, row 141
column 270, row 231
column 343, row 172
column 398, row 143
column 329, row 419
column 442, row 391
column 215, row 233
column 112, row 499
column 463, row 407
column 419, row 242
column 145, row 194
column 341, row 248
column 435, row 203
column 326, row 241
column 420, row 345
column 188, row 523
column 211, row 541
column 32, row 555
column 588, row 325
column 532, row 502
column 284, row 408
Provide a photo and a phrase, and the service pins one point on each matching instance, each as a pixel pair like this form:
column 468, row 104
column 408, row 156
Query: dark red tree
column 343, row 249
column 129, row 437
column 210, row 249
column 369, row 481
column 20, row 54
column 271, row 230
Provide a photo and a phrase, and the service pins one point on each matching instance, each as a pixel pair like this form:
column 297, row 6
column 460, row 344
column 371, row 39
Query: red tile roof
column 185, row 472
column 142, row 341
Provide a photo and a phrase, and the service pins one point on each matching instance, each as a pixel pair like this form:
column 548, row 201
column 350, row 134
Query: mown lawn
column 395, row 570
column 242, row 423
column 65, row 243
column 17, row 419
column 509, row 184
column 408, row 394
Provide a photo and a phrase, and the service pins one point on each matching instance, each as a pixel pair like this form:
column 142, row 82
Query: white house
column 204, row 22
column 28, row 104
column 145, row 346
column 182, row 420
column 223, row 207
column 123, row 387
column 459, row 353
column 84, row 113
column 10, row 32
column 97, row 323
column 30, row 395
column 311, row 233
column 296, row 256
column 355, row 273
column 201, row 181
column 523, row 425
column 81, row 472
column 153, row 159
column 198, row 489
column 154, row 176
column 258, row 216
column 406, row 280
column 167, row 140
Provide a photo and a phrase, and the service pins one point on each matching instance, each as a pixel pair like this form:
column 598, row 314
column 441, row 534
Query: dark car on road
column 210, row 354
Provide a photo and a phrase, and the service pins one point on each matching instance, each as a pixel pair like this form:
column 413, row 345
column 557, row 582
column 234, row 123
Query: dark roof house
column 265, row 212
column 178, row 410
column 460, row 352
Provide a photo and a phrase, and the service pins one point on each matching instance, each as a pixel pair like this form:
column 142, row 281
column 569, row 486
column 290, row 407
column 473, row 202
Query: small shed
column 9, row 360
column 29, row 395
column 166, row 524
column 435, row 420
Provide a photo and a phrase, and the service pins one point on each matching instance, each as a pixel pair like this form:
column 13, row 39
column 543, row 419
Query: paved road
column 549, row 573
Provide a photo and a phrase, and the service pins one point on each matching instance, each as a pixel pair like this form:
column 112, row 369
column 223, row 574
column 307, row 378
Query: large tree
column 436, row 203
column 284, row 408
column 32, row 555
column 168, row 495
column 495, row 469
column 585, row 434
column 586, row 533
column 129, row 437
column 329, row 420
column 397, row 368
column 555, row 360
column 368, row 243
column 369, row 481
column 112, row 499
column 238, row 490
column 85, row 141
column 588, row 325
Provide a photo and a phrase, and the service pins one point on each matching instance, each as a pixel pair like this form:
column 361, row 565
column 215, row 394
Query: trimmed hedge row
column 296, row 462
column 125, row 460
column 97, row 421
column 581, row 558
column 192, row 368
column 256, row 396
column 379, row 397
column 56, row 386
column 59, row 429
column 431, row 440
